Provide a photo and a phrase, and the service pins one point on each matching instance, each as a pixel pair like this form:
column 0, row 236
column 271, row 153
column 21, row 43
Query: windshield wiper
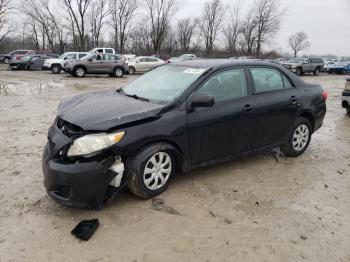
column 121, row 91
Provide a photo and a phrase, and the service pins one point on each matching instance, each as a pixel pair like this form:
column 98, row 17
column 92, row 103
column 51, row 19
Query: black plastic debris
column 85, row 229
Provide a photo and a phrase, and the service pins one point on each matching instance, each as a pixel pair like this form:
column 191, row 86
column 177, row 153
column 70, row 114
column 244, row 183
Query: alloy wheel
column 118, row 72
column 301, row 137
column 157, row 171
column 80, row 72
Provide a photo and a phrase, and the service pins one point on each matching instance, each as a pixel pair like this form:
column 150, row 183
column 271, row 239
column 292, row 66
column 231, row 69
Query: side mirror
column 202, row 101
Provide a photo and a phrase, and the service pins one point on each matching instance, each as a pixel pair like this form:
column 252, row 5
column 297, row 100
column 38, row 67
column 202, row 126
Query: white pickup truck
column 56, row 64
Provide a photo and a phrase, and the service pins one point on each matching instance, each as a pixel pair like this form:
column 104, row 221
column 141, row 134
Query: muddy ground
column 253, row 209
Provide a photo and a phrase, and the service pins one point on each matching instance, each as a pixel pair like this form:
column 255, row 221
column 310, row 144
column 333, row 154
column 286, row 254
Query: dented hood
column 100, row 111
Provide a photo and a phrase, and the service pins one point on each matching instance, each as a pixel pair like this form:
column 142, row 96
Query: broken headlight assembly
column 90, row 144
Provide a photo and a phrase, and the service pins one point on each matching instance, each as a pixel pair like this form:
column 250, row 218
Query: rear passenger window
column 109, row 51
column 267, row 79
column 226, row 85
column 287, row 83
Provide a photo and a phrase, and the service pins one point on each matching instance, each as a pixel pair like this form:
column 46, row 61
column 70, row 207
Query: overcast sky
column 326, row 22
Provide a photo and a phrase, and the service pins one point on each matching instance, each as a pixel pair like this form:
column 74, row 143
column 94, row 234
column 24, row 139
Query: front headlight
column 89, row 144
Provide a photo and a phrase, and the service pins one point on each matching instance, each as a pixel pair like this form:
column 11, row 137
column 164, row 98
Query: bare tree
column 185, row 31
column 298, row 42
column 160, row 13
column 77, row 10
column 212, row 18
column 123, row 12
column 268, row 19
column 140, row 38
column 232, row 29
column 249, row 34
column 4, row 23
column 97, row 19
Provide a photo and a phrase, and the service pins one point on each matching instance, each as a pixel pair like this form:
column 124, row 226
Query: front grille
column 68, row 129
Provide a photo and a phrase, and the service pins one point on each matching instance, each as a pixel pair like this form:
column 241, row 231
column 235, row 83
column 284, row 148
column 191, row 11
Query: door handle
column 248, row 108
column 293, row 99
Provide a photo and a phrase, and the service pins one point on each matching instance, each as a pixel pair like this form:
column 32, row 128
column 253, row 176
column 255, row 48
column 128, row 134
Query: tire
column 348, row 111
column 298, row 141
column 79, row 71
column 56, row 69
column 299, row 72
column 317, row 72
column 118, row 72
column 6, row 60
column 141, row 182
column 132, row 70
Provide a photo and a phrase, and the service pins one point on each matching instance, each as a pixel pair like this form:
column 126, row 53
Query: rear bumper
column 346, row 99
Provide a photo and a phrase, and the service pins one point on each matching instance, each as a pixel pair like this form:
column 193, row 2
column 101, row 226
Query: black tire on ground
column 132, row 70
column 348, row 111
column 317, row 72
column 136, row 166
column 299, row 72
column 6, row 60
column 118, row 72
column 288, row 148
column 56, row 69
column 79, row 71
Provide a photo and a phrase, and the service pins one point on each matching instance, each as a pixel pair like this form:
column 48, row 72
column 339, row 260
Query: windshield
column 165, row 83
column 62, row 56
column 26, row 58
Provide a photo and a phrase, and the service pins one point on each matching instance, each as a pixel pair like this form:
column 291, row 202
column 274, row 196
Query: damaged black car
column 175, row 118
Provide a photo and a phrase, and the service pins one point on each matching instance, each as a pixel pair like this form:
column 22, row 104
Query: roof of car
column 216, row 63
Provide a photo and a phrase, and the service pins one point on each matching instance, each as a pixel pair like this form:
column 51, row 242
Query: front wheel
column 299, row 139
column 149, row 171
column 132, row 70
column 80, row 71
column 299, row 72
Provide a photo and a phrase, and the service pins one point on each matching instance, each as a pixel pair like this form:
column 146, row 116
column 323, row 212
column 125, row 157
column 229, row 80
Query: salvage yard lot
column 259, row 208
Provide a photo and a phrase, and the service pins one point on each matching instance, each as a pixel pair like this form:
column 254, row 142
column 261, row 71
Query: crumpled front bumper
column 76, row 184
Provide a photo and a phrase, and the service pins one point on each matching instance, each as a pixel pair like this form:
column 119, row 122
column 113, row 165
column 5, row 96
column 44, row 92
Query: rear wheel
column 79, row 71
column 118, row 72
column 56, row 69
column 317, row 72
column 150, row 171
column 299, row 138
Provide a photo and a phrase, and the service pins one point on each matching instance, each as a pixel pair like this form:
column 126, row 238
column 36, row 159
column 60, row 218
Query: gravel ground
column 258, row 208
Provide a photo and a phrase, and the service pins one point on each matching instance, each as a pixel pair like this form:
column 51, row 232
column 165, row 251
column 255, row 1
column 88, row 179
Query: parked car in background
column 56, row 64
column 143, row 64
column 327, row 65
column 15, row 55
column 185, row 57
column 339, row 68
column 129, row 56
column 29, row 62
column 164, row 57
column 304, row 65
column 247, row 58
column 106, row 50
column 111, row 64
column 177, row 117
column 346, row 96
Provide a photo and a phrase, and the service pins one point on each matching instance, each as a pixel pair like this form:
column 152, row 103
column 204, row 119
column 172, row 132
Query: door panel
column 227, row 127
column 276, row 110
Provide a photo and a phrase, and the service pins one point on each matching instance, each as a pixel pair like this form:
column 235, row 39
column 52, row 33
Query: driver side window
column 226, row 85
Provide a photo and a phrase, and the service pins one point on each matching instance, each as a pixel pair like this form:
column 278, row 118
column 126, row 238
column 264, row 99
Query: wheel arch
column 56, row 64
column 309, row 116
column 75, row 67
column 119, row 66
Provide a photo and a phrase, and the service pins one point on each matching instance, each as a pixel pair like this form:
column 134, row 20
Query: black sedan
column 29, row 62
column 175, row 118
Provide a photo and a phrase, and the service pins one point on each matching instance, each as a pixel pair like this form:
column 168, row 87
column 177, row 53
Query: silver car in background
column 143, row 64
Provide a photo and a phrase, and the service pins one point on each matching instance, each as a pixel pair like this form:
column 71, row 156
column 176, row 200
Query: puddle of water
column 21, row 88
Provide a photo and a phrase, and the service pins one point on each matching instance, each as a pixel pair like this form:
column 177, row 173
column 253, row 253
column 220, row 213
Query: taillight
column 324, row 95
